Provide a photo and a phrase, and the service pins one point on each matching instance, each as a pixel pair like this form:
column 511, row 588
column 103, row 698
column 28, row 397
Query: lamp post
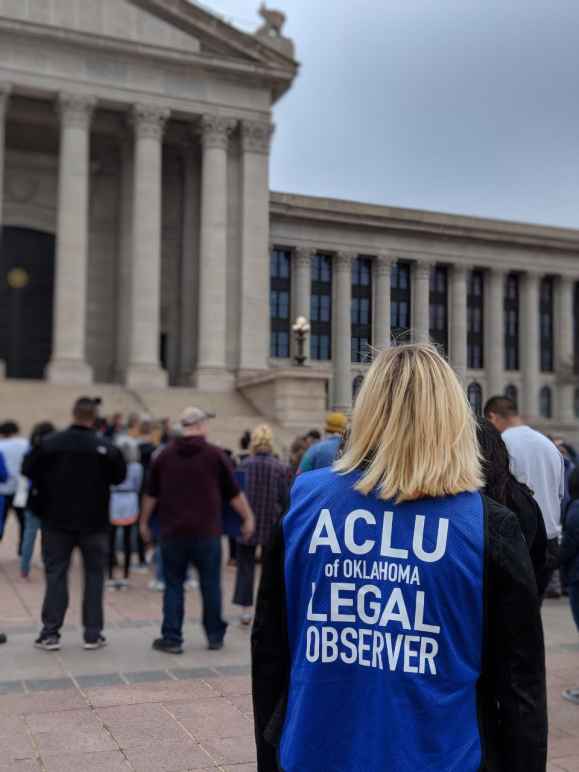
column 301, row 329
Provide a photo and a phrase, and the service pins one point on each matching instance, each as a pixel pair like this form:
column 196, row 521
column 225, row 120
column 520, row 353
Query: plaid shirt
column 266, row 485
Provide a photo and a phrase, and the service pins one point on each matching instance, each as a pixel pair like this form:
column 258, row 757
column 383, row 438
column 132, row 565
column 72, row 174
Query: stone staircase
column 29, row 402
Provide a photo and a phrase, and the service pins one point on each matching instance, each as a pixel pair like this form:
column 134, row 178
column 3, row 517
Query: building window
column 511, row 305
column 400, row 302
column 279, row 300
column 361, row 308
column 474, row 394
column 439, row 307
column 356, row 384
column 475, row 305
column 512, row 393
column 547, row 324
column 321, row 308
column 545, row 402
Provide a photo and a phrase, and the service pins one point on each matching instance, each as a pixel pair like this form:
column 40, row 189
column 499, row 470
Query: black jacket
column 521, row 502
column 569, row 555
column 511, row 690
column 71, row 473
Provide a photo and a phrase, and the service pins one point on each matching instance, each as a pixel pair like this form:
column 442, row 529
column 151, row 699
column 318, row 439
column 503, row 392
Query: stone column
column 68, row 362
column 421, row 301
column 381, row 327
column 342, row 332
column 458, row 321
column 5, row 89
column 189, row 265
column 211, row 370
column 530, row 342
column 302, row 291
column 125, row 256
column 254, row 327
column 494, row 332
column 144, row 369
column 565, row 349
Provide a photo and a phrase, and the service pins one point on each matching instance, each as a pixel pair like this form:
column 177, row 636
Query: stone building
column 141, row 245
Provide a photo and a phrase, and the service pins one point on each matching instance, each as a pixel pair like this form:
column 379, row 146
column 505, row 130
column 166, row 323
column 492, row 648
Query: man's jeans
column 205, row 555
column 57, row 547
column 30, row 530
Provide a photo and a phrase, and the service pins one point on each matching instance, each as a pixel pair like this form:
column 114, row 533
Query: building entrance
column 26, row 301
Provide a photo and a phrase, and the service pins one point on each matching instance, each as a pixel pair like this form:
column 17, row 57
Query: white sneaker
column 156, row 586
column 191, row 584
column 140, row 568
column 246, row 618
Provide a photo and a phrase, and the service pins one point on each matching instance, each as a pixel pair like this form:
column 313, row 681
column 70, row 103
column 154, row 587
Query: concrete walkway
column 129, row 708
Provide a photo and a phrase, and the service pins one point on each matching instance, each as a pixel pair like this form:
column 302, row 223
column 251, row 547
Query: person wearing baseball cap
column 190, row 482
column 324, row 453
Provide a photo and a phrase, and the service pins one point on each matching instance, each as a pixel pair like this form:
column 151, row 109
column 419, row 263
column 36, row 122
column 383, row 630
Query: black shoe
column 168, row 647
column 3, row 638
column 49, row 643
column 100, row 643
column 215, row 645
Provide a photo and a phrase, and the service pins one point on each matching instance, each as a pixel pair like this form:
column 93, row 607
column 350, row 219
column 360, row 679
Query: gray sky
column 466, row 106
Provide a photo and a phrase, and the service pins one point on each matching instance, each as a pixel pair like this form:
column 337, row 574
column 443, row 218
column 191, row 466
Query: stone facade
column 137, row 133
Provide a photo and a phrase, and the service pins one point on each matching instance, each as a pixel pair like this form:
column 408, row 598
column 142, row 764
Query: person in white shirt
column 13, row 448
column 536, row 462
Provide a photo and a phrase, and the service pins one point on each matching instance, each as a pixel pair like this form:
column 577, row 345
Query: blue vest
column 385, row 625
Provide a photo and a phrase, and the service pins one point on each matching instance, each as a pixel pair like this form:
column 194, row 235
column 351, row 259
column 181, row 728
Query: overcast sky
column 466, row 106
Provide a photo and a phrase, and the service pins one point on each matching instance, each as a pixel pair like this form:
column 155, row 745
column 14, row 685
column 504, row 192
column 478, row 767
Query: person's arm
column 570, row 541
column 515, row 666
column 270, row 655
column 3, row 469
column 117, row 465
column 241, row 505
column 147, row 508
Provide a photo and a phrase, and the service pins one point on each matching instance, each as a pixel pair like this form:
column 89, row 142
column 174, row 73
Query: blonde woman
column 265, row 483
column 397, row 626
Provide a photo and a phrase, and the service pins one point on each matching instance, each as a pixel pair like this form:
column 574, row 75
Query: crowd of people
column 482, row 515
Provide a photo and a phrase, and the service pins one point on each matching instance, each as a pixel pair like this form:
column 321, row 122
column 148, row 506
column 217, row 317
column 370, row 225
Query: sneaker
column 50, row 643
column 140, row 568
column 572, row 695
column 25, row 575
column 215, row 645
column 167, row 647
column 246, row 618
column 156, row 586
column 123, row 584
column 111, row 584
column 100, row 643
column 191, row 584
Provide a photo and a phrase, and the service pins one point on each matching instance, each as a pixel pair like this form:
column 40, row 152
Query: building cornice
column 443, row 227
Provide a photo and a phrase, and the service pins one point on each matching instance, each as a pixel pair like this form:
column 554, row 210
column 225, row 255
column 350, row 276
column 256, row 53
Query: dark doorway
column 26, row 301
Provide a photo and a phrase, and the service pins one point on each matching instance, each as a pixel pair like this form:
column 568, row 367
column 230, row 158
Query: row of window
column 475, row 397
column 400, row 311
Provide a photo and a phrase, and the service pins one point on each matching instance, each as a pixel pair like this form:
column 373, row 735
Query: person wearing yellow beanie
column 324, row 453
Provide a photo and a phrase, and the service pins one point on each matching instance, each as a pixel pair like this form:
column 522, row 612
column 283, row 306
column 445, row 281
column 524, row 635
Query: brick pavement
column 129, row 708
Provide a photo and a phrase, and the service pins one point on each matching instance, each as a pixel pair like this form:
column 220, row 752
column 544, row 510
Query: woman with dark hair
column 505, row 489
column 26, row 497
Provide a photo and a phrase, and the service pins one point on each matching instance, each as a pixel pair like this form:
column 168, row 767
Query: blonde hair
column 261, row 439
column 413, row 433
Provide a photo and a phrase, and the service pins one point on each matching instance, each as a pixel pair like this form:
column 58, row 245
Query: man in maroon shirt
column 190, row 482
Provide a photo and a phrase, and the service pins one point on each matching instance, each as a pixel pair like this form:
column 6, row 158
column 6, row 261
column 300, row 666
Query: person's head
column 502, row 413
column 117, row 420
column 41, row 430
column 245, row 441
column 195, row 422
column 297, row 450
column 336, row 423
column 574, row 483
column 145, row 427
column 312, row 437
column 85, row 412
column 261, row 439
column 413, row 434
column 495, row 460
column 9, row 429
column 130, row 452
column 133, row 423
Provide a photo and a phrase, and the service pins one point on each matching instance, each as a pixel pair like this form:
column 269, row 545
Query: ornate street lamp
column 301, row 330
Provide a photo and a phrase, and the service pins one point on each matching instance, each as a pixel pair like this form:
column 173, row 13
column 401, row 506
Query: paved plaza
column 130, row 708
